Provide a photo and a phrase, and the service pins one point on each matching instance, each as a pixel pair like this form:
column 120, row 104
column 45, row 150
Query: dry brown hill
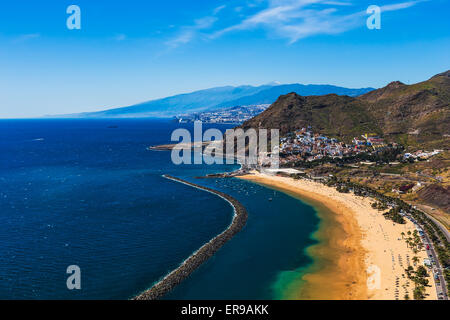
column 415, row 115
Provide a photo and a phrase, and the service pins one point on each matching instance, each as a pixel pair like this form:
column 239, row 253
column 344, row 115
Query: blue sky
column 132, row 51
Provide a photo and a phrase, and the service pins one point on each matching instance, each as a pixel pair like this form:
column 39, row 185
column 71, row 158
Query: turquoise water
column 274, row 240
column 88, row 192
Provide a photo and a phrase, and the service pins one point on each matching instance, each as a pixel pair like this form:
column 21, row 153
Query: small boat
column 270, row 199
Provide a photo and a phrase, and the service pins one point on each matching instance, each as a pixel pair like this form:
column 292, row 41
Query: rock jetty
column 204, row 253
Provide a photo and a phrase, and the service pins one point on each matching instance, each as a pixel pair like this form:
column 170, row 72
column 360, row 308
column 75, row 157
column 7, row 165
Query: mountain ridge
column 414, row 115
column 214, row 98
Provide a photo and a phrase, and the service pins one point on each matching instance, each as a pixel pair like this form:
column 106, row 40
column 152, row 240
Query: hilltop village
column 304, row 145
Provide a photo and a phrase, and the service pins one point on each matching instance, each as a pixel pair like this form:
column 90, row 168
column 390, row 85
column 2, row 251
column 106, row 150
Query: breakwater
column 201, row 255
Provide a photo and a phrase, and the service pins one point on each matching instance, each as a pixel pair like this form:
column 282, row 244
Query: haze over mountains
column 216, row 98
column 415, row 115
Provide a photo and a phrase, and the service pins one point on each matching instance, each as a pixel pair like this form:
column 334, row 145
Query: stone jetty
column 204, row 253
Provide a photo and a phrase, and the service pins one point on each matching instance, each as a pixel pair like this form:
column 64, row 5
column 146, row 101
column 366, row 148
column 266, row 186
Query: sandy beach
column 363, row 255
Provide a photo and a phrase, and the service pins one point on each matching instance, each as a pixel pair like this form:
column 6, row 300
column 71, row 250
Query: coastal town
column 304, row 145
column 231, row 115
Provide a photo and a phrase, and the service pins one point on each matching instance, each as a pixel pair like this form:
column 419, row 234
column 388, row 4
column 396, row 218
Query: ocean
column 89, row 193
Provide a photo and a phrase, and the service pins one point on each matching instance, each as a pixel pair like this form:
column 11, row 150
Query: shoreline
column 321, row 280
column 188, row 266
column 356, row 243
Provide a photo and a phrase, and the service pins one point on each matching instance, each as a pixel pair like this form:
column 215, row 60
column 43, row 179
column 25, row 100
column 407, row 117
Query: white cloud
column 188, row 33
column 218, row 9
column 26, row 37
column 297, row 19
column 290, row 19
column 120, row 37
column 399, row 6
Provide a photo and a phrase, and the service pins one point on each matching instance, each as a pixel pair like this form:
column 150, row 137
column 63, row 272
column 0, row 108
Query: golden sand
column 364, row 254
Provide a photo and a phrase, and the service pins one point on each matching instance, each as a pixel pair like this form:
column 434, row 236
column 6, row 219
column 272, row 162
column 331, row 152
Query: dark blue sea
column 90, row 193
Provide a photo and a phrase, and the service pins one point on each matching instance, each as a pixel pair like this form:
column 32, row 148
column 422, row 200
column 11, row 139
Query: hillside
column 436, row 195
column 415, row 115
column 216, row 98
column 332, row 115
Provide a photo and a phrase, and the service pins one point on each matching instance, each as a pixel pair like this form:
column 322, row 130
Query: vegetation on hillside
column 414, row 116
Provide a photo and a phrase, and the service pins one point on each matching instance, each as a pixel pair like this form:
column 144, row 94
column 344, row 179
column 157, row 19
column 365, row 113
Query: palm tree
column 417, row 242
column 415, row 260
column 403, row 234
column 409, row 242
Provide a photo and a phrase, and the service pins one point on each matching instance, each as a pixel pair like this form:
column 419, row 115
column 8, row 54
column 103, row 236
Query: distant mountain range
column 216, row 98
column 415, row 115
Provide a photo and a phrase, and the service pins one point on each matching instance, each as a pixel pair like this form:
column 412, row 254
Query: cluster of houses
column 407, row 187
column 420, row 154
column 369, row 140
column 233, row 115
column 306, row 145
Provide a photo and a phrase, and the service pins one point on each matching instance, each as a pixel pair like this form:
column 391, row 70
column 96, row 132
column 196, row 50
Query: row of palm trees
column 419, row 278
column 436, row 235
column 413, row 241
